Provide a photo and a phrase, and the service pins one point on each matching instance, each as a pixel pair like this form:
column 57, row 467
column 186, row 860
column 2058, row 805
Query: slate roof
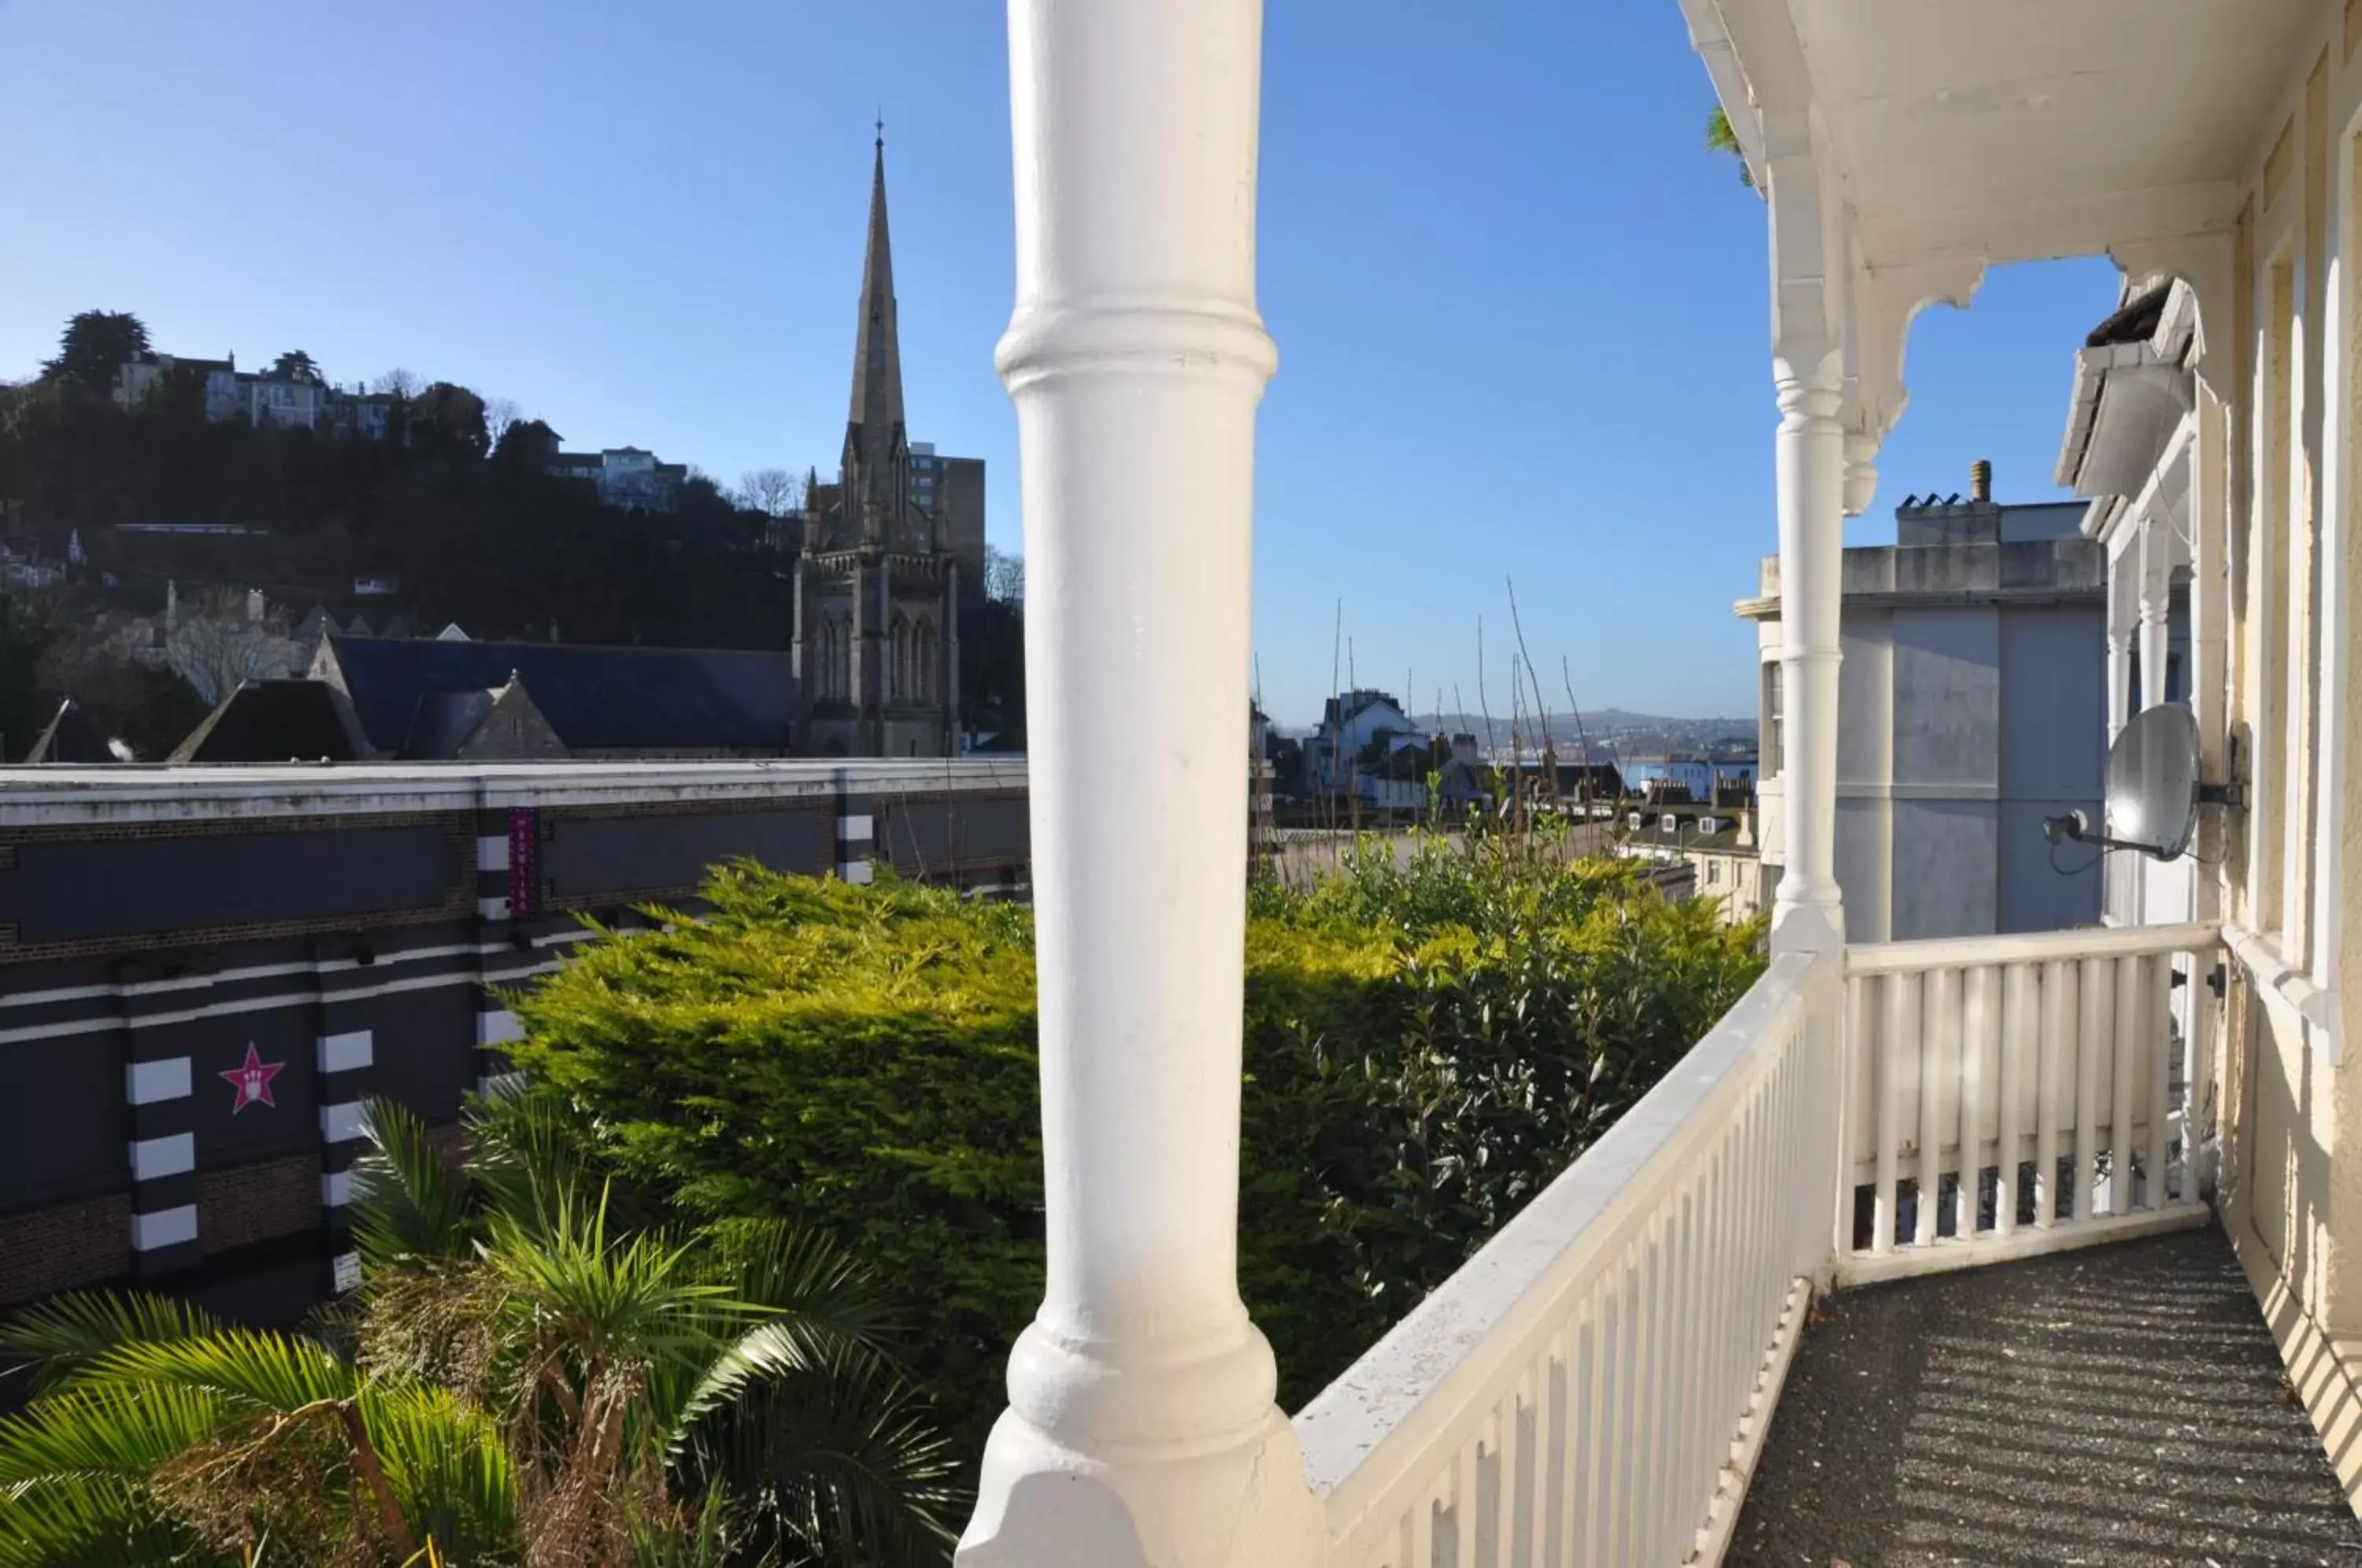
column 271, row 721
column 443, row 723
column 596, row 699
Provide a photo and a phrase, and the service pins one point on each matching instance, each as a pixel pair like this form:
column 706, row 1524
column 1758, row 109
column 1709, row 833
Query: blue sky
column 1520, row 311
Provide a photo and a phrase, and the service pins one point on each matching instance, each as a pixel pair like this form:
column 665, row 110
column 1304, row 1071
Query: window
column 1713, row 872
column 1769, row 743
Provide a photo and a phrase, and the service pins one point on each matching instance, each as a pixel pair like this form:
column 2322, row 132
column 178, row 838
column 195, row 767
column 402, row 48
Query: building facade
column 952, row 490
column 877, row 583
column 166, row 933
column 631, row 478
column 1973, row 689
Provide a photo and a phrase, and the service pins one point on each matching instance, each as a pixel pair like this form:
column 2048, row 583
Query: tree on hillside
column 500, row 414
column 1004, row 577
column 94, row 344
column 774, row 493
column 297, row 365
column 25, row 633
column 222, row 637
column 526, row 441
column 397, row 382
column 449, row 416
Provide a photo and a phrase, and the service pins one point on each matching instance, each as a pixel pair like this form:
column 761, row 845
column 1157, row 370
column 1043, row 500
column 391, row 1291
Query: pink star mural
column 252, row 1081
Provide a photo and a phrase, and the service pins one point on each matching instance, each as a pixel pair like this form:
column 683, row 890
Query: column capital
column 1861, row 471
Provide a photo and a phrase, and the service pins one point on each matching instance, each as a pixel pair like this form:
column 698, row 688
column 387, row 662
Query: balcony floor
column 2120, row 1405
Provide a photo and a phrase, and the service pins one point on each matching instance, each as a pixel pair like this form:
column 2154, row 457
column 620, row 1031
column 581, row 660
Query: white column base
column 1242, row 1505
column 1813, row 927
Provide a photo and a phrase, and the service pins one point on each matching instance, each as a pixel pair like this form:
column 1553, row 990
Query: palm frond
column 65, row 1333
column 91, row 1524
column 91, row 1433
column 634, row 1296
column 408, row 1200
column 450, row 1472
column 248, row 1368
column 520, row 1145
column 838, row 1461
column 805, row 1275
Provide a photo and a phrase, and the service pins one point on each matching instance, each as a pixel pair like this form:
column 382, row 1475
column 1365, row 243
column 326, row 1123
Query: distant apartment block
column 1974, row 699
column 951, row 491
column 261, row 397
column 627, row 476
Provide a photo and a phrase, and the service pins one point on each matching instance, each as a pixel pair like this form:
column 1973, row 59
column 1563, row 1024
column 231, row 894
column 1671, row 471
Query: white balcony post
column 2155, row 547
column 1142, row 1428
column 1808, row 914
column 1810, row 326
column 2123, row 612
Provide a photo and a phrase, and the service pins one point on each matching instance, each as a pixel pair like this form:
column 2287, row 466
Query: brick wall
column 258, row 1203
column 58, row 1249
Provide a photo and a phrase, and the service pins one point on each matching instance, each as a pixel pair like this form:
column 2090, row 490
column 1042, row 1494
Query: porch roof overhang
column 2011, row 129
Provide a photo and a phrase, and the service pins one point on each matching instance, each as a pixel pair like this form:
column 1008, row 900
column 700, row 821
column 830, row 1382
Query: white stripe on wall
column 343, row 1053
column 343, row 1123
column 165, row 1228
column 493, row 851
column 170, row 1156
column 854, row 871
column 146, row 1083
column 492, row 908
column 336, row 1189
column 497, row 1028
column 855, row 827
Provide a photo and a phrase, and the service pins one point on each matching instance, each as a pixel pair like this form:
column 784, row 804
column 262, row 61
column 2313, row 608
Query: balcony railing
column 1592, row 1387
column 2004, row 1091
column 1588, row 1388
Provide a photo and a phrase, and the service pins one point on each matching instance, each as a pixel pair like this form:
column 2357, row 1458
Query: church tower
column 875, row 467
column 876, row 625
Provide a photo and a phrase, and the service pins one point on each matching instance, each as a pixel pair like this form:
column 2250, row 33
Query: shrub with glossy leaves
column 1427, row 1044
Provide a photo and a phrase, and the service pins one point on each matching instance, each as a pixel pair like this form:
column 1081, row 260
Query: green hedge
column 1427, row 1044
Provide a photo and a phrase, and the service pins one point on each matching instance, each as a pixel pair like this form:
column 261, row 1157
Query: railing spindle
column 1940, row 1019
column 1508, row 1458
column 2020, row 1023
column 1467, row 1481
column 1902, row 995
column 1586, row 1439
column 2057, row 1058
column 2159, row 1058
column 1857, row 1053
column 1978, row 1018
column 2130, row 1037
column 2093, row 1032
column 2197, row 1075
column 1551, row 1437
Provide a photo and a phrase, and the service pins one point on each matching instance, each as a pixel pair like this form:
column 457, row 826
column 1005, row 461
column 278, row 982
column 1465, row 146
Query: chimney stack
column 1981, row 481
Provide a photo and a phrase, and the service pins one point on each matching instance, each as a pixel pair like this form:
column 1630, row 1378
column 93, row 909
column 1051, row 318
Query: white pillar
column 1808, row 914
column 2155, row 547
column 1142, row 1428
column 2124, row 613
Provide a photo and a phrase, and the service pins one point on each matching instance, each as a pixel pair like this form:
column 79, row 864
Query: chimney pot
column 1980, row 480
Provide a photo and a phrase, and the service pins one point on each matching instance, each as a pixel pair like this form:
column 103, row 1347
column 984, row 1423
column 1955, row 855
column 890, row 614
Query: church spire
column 875, row 440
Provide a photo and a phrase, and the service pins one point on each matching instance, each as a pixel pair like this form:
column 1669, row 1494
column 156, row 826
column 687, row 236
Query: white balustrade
column 1590, row 1388
column 2010, row 1095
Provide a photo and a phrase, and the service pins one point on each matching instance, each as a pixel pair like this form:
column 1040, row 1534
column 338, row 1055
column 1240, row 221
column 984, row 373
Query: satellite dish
column 2153, row 781
column 2153, row 791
